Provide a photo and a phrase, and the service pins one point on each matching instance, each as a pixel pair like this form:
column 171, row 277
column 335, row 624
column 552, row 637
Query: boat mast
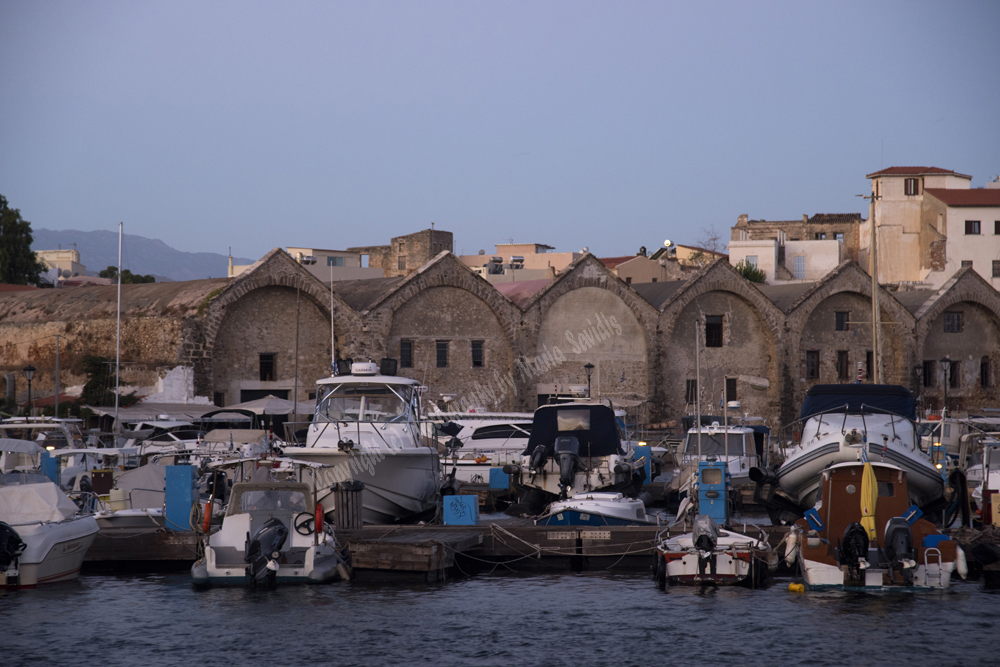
column 697, row 384
column 118, row 336
column 876, row 326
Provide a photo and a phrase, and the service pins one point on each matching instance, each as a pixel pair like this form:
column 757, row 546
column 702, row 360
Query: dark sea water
column 498, row 619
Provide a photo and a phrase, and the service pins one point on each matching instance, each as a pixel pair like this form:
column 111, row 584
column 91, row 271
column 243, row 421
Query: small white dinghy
column 711, row 555
column 596, row 509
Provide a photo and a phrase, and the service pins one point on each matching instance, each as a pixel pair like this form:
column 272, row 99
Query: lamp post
column 589, row 368
column 303, row 260
column 29, row 372
column 946, row 365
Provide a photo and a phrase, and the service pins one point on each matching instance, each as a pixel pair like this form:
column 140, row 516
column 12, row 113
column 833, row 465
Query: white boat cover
column 239, row 436
column 33, row 503
column 144, row 486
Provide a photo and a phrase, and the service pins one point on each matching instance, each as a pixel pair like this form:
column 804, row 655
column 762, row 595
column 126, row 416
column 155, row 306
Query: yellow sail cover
column 869, row 498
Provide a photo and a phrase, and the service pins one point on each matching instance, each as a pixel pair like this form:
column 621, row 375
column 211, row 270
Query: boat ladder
column 927, row 567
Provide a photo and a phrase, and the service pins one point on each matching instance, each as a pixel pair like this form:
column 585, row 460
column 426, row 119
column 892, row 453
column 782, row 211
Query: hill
column 99, row 250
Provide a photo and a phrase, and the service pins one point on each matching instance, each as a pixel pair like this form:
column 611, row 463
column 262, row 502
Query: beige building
column 791, row 262
column 66, row 262
column 516, row 262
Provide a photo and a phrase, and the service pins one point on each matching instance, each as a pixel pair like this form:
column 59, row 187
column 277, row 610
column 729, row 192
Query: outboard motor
column 899, row 548
column 264, row 549
column 705, row 535
column 218, row 485
column 568, row 455
column 11, row 546
column 854, row 550
column 539, row 458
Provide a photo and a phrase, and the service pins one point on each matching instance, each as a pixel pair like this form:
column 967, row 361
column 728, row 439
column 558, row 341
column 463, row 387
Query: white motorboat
column 841, row 421
column 742, row 447
column 596, row 509
column 273, row 533
column 986, row 491
column 574, row 447
column 366, row 429
column 43, row 538
column 865, row 535
column 714, row 555
column 485, row 441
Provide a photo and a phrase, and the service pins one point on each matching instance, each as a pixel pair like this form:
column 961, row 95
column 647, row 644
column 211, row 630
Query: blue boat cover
column 593, row 424
column 875, row 398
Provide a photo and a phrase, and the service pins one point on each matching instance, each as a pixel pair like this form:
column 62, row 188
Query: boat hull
column 817, row 575
column 54, row 552
column 320, row 565
column 398, row 484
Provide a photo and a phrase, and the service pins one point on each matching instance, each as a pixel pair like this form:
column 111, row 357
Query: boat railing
column 927, row 566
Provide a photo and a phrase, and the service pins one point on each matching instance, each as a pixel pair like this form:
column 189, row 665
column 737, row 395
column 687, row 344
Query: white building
column 802, row 261
column 330, row 265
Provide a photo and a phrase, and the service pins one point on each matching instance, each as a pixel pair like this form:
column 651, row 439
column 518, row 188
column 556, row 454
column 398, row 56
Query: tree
column 100, row 386
column 751, row 272
column 18, row 263
column 128, row 278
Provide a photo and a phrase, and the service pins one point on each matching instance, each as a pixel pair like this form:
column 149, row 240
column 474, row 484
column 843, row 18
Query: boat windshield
column 714, row 444
column 371, row 403
column 272, row 499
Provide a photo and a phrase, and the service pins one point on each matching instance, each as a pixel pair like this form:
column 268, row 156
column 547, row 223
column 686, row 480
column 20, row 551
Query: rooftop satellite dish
column 482, row 252
column 66, row 273
column 667, row 243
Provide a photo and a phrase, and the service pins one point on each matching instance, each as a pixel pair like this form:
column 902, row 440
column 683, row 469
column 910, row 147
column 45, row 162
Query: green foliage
column 18, row 263
column 128, row 278
column 99, row 389
column 751, row 272
column 204, row 302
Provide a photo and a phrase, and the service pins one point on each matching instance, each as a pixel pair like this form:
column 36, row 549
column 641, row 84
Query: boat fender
column 272, row 565
column 791, row 548
column 342, row 571
column 961, row 565
column 796, row 588
column 319, row 518
column 207, row 523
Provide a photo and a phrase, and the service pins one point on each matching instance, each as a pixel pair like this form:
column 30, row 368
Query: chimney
column 743, row 219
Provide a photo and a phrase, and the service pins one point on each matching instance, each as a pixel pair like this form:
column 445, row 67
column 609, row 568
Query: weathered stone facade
column 406, row 254
column 640, row 338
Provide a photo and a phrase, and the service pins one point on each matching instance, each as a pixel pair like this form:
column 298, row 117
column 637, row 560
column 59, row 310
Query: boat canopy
column 884, row 398
column 593, row 425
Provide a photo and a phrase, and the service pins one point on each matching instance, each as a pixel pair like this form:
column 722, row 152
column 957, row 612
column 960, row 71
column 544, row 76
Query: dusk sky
column 608, row 125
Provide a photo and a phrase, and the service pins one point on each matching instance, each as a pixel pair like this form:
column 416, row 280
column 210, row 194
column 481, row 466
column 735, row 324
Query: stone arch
column 581, row 302
column 751, row 343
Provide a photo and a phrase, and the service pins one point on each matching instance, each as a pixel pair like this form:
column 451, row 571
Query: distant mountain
column 99, row 250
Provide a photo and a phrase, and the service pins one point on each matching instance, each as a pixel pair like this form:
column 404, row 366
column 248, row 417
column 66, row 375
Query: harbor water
column 502, row 618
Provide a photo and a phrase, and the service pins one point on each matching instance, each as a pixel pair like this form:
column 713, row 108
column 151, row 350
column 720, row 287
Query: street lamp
column 589, row 368
column 29, row 372
column 303, row 260
column 946, row 365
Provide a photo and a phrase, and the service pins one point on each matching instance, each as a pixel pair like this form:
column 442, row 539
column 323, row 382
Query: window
column 820, row 236
column 628, row 280
column 955, row 374
column 996, row 268
column 911, row 186
column 799, row 267
column 731, row 390
column 691, row 391
column 840, row 236
column 334, row 261
column 713, row 331
column 751, row 260
column 402, row 246
column 985, row 377
column 966, row 263
column 654, row 280
column 869, row 365
column 402, row 263
column 841, row 320
column 843, row 365
column 953, row 322
column 267, row 369
column 477, row 354
column 406, row 354
column 220, row 399
column 442, row 354
column 971, row 226
column 996, row 226
column 812, row 364
column 930, row 368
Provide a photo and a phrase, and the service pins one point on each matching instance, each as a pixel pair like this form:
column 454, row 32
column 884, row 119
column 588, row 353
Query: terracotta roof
column 4, row 287
column 914, row 171
column 612, row 262
column 956, row 197
column 521, row 291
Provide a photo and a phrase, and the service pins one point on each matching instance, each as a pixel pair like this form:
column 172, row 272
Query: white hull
column 398, row 483
column 819, row 576
column 54, row 551
column 734, row 556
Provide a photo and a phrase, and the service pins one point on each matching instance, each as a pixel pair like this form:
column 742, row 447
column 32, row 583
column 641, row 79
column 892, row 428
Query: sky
column 610, row 125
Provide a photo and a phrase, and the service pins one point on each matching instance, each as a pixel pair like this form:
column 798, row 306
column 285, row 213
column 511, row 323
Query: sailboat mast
column 876, row 324
column 118, row 336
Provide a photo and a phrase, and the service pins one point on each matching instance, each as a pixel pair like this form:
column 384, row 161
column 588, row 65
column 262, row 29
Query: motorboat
column 987, row 491
column 272, row 533
column 741, row 446
column 865, row 535
column 596, row 509
column 841, row 423
column 714, row 555
column 485, row 441
column 366, row 428
column 43, row 537
column 573, row 447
